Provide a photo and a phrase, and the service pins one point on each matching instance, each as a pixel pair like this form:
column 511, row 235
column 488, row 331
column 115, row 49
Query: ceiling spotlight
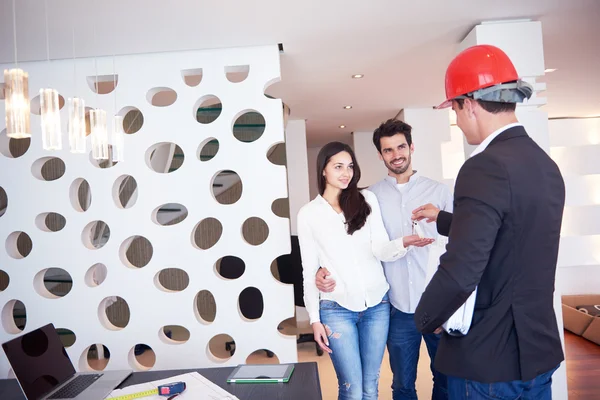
column 357, row 76
column 347, row 107
column 550, row 70
column 342, row 126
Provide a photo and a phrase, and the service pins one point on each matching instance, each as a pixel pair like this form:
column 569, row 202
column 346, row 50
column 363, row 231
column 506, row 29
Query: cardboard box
column 580, row 323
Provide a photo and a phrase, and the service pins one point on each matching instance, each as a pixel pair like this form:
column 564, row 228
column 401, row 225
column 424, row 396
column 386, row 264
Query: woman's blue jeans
column 357, row 341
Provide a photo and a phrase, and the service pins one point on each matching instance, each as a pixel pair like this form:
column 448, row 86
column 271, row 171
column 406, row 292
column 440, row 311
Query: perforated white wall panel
column 81, row 310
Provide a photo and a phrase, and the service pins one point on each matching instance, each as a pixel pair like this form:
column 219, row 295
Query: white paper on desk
column 461, row 319
column 197, row 387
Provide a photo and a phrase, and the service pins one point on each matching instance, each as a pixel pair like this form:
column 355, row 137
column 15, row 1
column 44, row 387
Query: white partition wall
column 575, row 146
column 151, row 306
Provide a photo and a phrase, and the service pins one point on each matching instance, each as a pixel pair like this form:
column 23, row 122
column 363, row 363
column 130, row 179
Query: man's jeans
column 404, row 344
column 357, row 341
column 539, row 388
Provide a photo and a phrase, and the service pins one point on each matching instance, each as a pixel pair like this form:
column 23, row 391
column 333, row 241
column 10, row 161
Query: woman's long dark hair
column 352, row 202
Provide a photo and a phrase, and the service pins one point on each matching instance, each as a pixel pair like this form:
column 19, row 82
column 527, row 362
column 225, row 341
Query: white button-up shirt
column 408, row 276
column 353, row 260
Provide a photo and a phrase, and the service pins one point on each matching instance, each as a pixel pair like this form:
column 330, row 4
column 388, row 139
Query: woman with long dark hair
column 342, row 229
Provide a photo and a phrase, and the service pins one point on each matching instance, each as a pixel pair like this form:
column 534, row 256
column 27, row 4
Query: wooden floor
column 583, row 368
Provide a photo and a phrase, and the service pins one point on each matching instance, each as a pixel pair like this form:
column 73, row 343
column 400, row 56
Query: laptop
column 44, row 370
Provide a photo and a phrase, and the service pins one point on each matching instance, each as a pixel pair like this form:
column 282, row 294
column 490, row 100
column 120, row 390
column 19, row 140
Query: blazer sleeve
column 482, row 198
column 444, row 220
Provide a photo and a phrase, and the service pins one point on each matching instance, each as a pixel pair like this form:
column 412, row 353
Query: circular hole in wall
column 13, row 148
column 95, row 235
column 249, row 126
column 207, row 109
column 207, row 233
column 174, row 334
column 172, row 280
column 237, row 73
column 275, row 268
column 169, row 214
column 94, row 357
column 67, row 337
column 230, row 267
column 18, row 245
column 14, row 317
column 114, row 313
column 255, row 231
column 192, row 77
column 4, row 280
column 205, row 307
column 161, row 96
column 208, row 149
column 281, row 207
column 52, row 283
column 226, row 187
column 136, row 252
column 95, row 275
column 276, row 154
column 35, row 104
column 164, row 157
column 133, row 119
column 50, row 222
column 80, row 195
column 141, row 357
column 221, row 348
column 3, row 201
column 125, row 191
column 250, row 303
column 48, row 168
column 263, row 356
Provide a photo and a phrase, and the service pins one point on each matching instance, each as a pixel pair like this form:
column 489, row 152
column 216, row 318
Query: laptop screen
column 39, row 361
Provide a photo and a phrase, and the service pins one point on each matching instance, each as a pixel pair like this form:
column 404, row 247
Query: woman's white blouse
column 353, row 260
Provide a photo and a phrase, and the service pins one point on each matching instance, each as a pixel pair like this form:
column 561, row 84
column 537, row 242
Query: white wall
column 312, row 171
column 372, row 169
column 297, row 168
column 81, row 310
column 575, row 147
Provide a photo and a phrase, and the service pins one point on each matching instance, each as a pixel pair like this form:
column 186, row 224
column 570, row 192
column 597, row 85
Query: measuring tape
column 147, row 393
column 163, row 390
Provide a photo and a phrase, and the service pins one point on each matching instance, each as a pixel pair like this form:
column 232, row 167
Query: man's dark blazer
column 503, row 239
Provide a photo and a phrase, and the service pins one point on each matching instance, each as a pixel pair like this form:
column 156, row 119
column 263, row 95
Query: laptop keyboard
column 75, row 387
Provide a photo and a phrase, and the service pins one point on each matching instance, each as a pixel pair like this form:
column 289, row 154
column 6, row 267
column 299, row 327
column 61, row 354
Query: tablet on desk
column 259, row 373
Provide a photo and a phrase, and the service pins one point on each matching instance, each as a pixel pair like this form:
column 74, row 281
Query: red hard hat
column 475, row 68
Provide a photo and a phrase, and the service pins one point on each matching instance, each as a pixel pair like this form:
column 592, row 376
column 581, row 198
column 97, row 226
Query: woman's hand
column 321, row 336
column 415, row 240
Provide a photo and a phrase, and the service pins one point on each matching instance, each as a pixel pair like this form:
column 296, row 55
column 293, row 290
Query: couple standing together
column 502, row 240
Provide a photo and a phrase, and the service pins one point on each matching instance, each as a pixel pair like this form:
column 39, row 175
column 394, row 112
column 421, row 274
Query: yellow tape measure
column 138, row 395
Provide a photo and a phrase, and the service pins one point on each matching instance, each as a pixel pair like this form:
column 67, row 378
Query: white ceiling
column 402, row 46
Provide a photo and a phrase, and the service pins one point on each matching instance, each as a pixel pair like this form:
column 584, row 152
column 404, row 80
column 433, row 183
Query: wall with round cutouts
column 163, row 260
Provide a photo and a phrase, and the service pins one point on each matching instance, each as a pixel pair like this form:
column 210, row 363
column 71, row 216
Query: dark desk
column 303, row 385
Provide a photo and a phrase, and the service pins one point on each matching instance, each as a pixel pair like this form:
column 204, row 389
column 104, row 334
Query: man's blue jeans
column 357, row 341
column 404, row 344
column 539, row 388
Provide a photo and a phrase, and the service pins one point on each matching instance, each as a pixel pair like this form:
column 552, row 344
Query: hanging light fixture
column 118, row 134
column 50, row 107
column 50, row 111
column 118, row 139
column 76, row 124
column 98, row 123
column 16, row 92
column 99, row 134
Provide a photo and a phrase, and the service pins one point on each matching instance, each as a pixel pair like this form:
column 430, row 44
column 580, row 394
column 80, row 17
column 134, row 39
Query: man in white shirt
column 403, row 190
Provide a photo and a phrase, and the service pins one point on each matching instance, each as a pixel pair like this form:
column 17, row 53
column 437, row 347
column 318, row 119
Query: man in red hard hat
column 503, row 241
